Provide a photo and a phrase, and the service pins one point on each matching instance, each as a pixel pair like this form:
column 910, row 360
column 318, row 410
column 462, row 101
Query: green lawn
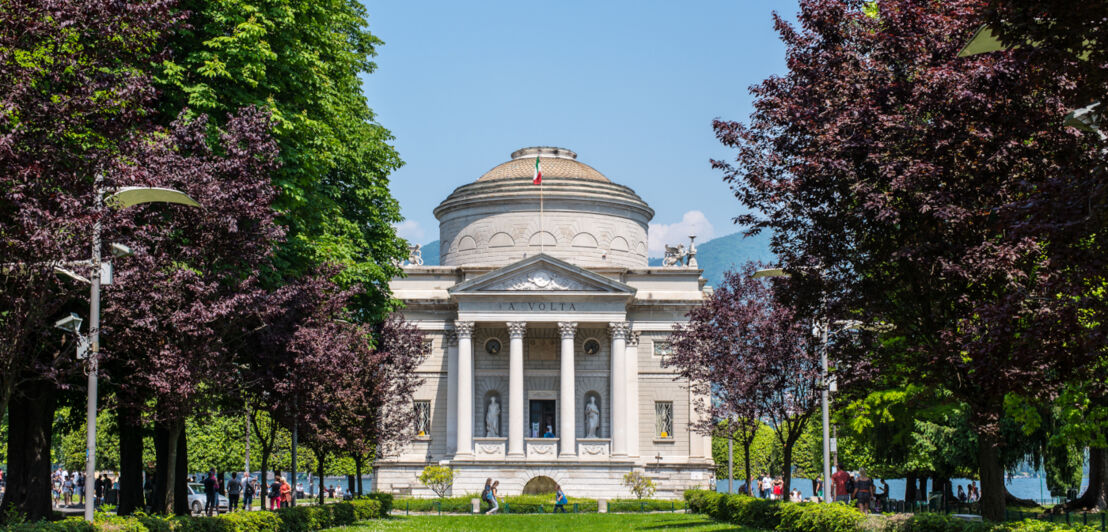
column 568, row 522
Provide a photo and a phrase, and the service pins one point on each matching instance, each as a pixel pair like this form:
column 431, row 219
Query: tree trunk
column 358, row 471
column 749, row 476
column 787, row 465
column 922, row 494
column 320, row 457
column 992, row 479
column 350, row 484
column 910, row 488
column 129, row 424
column 263, row 486
column 30, row 426
column 180, row 486
column 167, row 473
column 1096, row 495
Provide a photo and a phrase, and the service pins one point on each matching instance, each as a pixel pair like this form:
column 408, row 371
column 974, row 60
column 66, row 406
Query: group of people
column 970, row 493
column 858, row 489
column 491, row 495
column 68, row 488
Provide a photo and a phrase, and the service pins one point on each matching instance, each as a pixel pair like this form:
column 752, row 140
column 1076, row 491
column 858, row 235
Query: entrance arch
column 539, row 485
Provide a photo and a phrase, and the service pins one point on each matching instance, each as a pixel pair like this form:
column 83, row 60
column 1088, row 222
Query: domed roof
column 556, row 162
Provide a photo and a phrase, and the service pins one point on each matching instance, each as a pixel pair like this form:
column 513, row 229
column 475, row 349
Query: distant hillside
column 714, row 256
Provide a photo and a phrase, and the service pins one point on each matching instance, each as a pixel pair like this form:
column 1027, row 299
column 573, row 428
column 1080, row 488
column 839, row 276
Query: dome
column 556, row 162
column 577, row 215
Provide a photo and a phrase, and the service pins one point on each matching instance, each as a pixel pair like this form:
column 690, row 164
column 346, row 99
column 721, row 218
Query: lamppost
column 120, row 198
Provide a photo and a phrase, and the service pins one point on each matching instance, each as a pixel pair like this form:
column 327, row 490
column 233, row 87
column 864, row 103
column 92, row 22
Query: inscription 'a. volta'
column 553, row 306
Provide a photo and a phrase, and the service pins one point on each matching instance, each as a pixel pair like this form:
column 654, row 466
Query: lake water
column 1024, row 488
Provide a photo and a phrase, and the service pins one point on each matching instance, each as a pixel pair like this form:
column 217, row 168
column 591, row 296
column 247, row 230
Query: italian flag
column 538, row 173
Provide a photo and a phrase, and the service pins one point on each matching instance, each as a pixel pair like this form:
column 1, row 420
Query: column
column 515, row 388
column 633, row 413
column 618, row 331
column 450, row 338
column 568, row 425
column 464, row 330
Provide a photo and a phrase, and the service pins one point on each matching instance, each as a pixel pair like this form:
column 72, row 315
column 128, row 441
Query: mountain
column 714, row 256
column 729, row 252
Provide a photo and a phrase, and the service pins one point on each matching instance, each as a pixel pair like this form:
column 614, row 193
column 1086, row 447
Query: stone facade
column 547, row 335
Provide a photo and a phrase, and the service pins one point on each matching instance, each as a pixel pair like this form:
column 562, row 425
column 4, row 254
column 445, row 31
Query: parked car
column 197, row 499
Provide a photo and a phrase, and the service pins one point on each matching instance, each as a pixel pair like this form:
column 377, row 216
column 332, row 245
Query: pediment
column 542, row 273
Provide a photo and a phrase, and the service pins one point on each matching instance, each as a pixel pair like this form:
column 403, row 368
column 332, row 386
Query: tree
column 438, row 478
column 640, row 485
column 302, row 61
column 177, row 342
column 938, row 196
column 752, row 356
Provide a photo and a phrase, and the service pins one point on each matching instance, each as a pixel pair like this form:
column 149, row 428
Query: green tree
column 765, row 453
column 301, row 60
column 438, row 478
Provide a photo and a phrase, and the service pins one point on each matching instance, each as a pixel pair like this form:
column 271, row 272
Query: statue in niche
column 492, row 419
column 592, row 418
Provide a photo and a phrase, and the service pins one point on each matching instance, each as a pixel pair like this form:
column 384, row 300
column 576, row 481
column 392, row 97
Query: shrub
column 639, row 484
column 385, row 499
column 438, row 478
column 817, row 517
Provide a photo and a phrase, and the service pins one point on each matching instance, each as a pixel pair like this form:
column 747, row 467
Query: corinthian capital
column 568, row 329
column 450, row 337
column 464, row 329
column 516, row 329
column 619, row 329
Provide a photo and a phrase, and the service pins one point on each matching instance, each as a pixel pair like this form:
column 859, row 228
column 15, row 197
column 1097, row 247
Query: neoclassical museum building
column 546, row 336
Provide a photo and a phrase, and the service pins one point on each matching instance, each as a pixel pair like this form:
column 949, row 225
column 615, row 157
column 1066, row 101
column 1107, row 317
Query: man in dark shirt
column 839, row 481
column 211, row 489
column 234, row 488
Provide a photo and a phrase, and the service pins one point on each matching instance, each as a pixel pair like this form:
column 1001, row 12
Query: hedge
column 816, row 517
column 532, row 504
column 296, row 519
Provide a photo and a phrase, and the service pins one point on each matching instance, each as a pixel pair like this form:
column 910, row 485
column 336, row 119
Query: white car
column 197, row 499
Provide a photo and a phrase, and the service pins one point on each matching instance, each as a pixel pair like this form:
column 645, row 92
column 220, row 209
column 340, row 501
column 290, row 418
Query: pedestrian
column 494, row 498
column 486, row 493
column 234, row 489
column 961, row 494
column 863, row 491
column 882, row 497
column 249, row 488
column 767, row 486
column 778, row 489
column 839, row 483
column 98, row 491
column 67, row 490
column 275, row 493
column 560, row 499
column 148, row 490
column 286, row 493
column 79, row 486
column 211, row 490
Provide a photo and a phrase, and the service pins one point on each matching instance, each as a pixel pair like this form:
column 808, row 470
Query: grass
column 568, row 522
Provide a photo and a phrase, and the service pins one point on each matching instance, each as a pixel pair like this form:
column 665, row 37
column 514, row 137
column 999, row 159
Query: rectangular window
column 662, row 348
column 663, row 419
column 423, row 418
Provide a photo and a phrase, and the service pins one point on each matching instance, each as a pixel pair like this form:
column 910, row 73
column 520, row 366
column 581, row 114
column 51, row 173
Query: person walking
column 234, row 489
column 79, row 487
column 286, row 493
column 767, row 486
column 249, row 488
column 486, row 494
column 67, row 490
column 863, row 491
column 839, row 485
column 494, row 498
column 560, row 499
column 211, row 491
column 275, row 493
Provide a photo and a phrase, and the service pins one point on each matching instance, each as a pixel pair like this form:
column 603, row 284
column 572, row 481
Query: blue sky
column 632, row 87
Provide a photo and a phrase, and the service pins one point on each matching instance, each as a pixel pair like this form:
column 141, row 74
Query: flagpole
column 542, row 230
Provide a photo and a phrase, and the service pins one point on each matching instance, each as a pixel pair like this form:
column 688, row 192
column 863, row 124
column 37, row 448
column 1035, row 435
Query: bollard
column 602, row 506
column 507, row 508
column 476, row 505
column 407, row 507
column 439, row 504
column 642, row 507
column 575, row 510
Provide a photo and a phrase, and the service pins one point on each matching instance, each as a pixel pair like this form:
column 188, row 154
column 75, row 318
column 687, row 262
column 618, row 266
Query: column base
column 516, row 456
column 568, row 456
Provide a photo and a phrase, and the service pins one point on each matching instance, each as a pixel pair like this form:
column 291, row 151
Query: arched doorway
column 539, row 486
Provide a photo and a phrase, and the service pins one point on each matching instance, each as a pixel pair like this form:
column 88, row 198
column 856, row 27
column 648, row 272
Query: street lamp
column 116, row 198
